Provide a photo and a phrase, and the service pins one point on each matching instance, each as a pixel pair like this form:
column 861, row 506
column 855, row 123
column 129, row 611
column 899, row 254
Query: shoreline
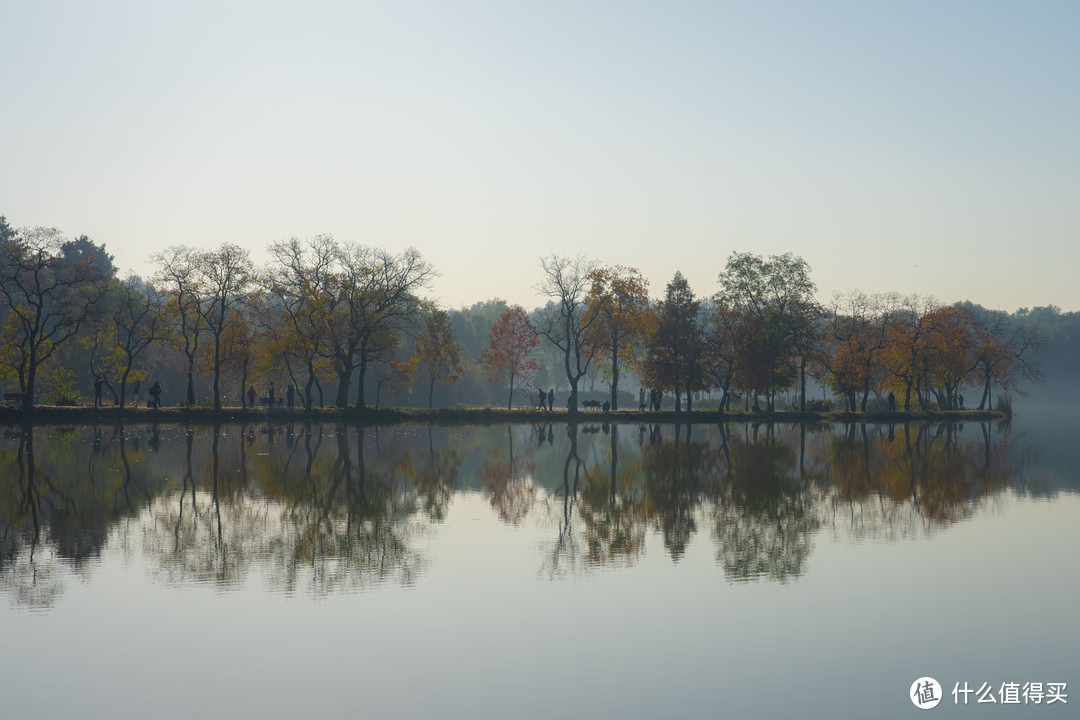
column 53, row 414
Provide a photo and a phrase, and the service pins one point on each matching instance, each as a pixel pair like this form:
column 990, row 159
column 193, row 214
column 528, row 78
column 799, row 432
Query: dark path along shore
column 65, row 414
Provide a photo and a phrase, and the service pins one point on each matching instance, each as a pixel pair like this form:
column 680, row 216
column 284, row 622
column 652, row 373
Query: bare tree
column 378, row 299
column 567, row 322
column 224, row 278
column 178, row 281
column 305, row 281
column 137, row 322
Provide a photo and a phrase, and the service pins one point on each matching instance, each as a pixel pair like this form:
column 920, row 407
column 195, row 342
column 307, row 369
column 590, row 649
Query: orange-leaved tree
column 436, row 353
column 619, row 300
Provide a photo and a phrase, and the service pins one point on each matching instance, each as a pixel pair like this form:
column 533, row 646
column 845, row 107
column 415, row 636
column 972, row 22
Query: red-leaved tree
column 510, row 346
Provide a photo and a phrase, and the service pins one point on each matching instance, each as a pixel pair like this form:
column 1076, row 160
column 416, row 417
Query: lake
column 632, row 571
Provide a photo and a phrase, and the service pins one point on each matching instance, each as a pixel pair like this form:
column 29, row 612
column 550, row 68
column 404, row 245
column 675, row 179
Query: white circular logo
column 925, row 693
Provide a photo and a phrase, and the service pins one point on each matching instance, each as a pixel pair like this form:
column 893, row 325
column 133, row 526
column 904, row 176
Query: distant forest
column 330, row 323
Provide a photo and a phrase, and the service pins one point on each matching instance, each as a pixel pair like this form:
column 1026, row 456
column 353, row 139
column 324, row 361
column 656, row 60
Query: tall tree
column 858, row 335
column 7, row 233
column 675, row 347
column 619, row 300
column 907, row 346
column 510, row 347
column 952, row 356
column 305, row 281
column 137, row 322
column 377, row 301
column 567, row 322
column 436, row 352
column 224, row 278
column 45, row 301
column 722, row 340
column 778, row 294
column 178, row 280
column 1005, row 353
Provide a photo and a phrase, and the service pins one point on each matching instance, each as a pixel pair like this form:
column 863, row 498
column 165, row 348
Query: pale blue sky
column 929, row 147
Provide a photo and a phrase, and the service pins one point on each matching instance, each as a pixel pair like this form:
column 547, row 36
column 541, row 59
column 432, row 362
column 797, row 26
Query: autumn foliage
column 510, row 346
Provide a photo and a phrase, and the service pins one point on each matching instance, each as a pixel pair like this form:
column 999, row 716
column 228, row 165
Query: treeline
column 338, row 323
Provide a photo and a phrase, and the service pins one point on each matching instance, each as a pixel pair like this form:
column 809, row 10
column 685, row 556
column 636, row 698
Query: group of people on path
column 271, row 398
column 655, row 398
column 548, row 398
column 154, row 393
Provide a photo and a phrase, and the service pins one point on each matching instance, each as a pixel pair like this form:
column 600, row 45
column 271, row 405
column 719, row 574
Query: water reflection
column 324, row 508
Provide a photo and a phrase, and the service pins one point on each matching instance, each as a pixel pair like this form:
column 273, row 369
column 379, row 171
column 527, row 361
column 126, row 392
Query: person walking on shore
column 251, row 396
column 155, row 395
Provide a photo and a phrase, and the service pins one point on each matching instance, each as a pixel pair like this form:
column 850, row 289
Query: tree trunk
column 28, row 390
column 345, row 372
column 217, row 372
column 123, row 385
column 985, row 395
column 802, row 385
column 361, row 376
column 614, row 376
column 191, row 379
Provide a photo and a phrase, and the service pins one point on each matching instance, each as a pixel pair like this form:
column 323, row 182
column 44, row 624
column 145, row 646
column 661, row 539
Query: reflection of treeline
column 337, row 323
column 328, row 507
column 62, row 491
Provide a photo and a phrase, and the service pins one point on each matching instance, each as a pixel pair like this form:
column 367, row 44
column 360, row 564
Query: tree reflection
column 336, row 520
column 321, row 508
column 613, row 508
column 59, row 505
column 674, row 472
column 893, row 482
column 563, row 555
column 434, row 476
column 508, row 479
column 764, row 516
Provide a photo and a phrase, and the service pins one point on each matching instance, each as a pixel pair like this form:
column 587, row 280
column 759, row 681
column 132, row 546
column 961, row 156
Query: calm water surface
column 278, row 571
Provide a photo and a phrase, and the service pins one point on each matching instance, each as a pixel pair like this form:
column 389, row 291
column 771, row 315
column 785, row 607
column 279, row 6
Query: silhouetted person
column 155, row 395
column 98, row 382
column 892, row 402
column 290, row 395
column 543, row 399
column 270, row 393
column 960, row 398
column 551, row 399
column 135, row 388
column 251, row 396
column 641, row 398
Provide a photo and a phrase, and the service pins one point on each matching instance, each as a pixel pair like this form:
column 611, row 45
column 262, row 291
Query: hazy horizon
column 911, row 147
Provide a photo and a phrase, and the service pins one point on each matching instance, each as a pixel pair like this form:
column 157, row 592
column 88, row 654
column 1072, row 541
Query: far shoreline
column 55, row 414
